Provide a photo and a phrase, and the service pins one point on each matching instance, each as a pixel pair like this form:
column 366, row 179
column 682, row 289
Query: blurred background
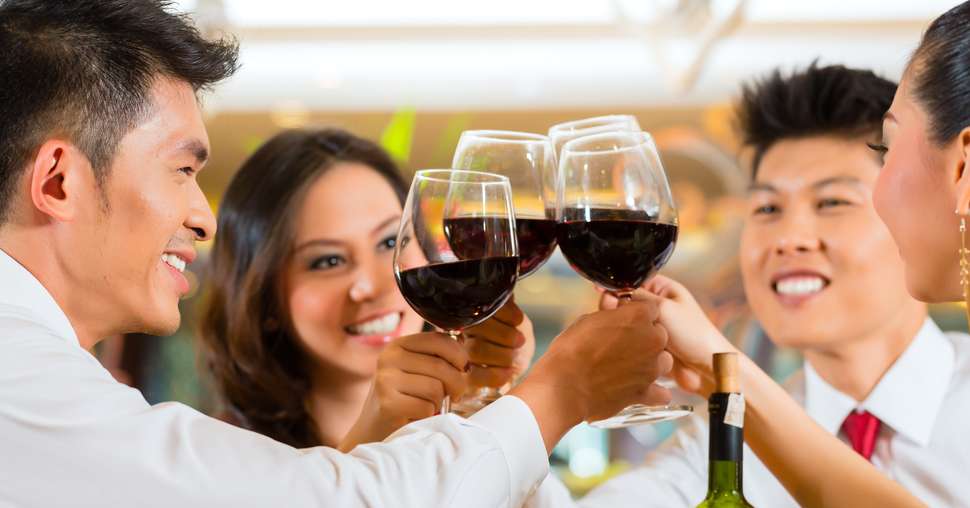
column 413, row 75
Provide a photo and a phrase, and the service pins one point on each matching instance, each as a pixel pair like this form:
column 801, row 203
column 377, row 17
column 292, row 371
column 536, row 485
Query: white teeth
column 382, row 325
column 798, row 286
column 174, row 261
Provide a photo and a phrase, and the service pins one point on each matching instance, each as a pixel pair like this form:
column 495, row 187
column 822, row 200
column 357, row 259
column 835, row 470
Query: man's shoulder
column 21, row 322
column 26, row 341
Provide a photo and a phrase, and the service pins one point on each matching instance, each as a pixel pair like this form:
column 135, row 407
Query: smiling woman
column 304, row 314
column 307, row 221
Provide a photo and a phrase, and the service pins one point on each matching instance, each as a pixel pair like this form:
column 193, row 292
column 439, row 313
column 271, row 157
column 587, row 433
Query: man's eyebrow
column 762, row 187
column 195, row 147
column 851, row 180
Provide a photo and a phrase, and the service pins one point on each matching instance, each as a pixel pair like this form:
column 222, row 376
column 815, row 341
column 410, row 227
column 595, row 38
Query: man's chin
column 801, row 336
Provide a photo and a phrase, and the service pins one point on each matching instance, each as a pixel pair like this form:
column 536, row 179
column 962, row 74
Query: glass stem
column 446, row 402
column 623, row 297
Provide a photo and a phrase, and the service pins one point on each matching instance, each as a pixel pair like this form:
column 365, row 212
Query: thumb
column 667, row 288
column 687, row 378
column 608, row 301
column 657, row 396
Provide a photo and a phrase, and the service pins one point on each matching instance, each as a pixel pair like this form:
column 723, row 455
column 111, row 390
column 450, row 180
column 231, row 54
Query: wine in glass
column 469, row 212
column 617, row 225
column 529, row 162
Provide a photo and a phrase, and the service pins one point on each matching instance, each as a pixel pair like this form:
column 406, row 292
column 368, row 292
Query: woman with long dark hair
column 303, row 314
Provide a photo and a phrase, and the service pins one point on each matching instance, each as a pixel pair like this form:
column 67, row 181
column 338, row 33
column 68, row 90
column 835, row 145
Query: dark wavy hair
column 248, row 345
column 833, row 99
column 83, row 69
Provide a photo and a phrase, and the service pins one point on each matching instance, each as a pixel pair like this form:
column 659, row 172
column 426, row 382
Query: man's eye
column 765, row 210
column 832, row 202
column 880, row 149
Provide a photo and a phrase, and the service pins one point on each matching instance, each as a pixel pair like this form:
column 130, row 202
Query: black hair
column 83, row 69
column 940, row 71
column 833, row 99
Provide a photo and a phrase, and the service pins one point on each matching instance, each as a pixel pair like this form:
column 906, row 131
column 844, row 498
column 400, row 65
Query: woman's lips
column 376, row 331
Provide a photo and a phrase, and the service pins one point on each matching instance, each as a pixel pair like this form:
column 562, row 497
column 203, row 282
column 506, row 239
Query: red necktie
column 862, row 430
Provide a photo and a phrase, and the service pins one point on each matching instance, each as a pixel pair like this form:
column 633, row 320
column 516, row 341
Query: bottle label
column 734, row 415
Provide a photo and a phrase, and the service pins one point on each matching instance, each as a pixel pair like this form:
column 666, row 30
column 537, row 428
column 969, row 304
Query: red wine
column 537, row 239
column 453, row 296
column 617, row 249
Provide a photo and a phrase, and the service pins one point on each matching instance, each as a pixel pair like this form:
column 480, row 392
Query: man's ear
column 60, row 178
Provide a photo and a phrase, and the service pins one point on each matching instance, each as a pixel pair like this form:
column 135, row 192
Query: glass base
column 471, row 403
column 639, row 414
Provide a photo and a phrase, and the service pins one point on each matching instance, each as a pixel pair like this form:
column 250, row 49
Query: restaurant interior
column 415, row 75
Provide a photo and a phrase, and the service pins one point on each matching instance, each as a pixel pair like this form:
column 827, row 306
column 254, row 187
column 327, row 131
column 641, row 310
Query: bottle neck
column 725, row 449
column 724, row 476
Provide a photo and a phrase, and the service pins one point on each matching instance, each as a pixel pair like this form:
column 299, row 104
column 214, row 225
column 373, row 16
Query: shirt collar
column 907, row 398
column 21, row 290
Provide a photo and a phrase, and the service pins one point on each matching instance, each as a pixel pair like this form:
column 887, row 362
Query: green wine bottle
column 726, row 446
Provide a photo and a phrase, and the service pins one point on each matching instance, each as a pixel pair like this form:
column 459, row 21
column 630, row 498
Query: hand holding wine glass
column 693, row 338
column 604, row 361
column 617, row 224
column 471, row 213
column 500, row 349
column 414, row 374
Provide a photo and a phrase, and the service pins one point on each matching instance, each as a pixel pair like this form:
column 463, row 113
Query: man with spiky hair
column 822, row 275
column 101, row 139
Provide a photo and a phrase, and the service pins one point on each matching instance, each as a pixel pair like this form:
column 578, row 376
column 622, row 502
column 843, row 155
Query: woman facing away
column 304, row 329
column 926, row 152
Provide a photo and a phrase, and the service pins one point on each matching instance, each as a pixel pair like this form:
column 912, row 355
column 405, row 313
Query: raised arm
column 814, row 466
column 60, row 409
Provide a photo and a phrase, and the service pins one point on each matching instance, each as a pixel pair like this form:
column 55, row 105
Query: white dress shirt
column 70, row 435
column 923, row 401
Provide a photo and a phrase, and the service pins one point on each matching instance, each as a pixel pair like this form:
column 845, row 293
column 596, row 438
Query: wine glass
column 456, row 258
column 529, row 161
column 617, row 225
column 562, row 133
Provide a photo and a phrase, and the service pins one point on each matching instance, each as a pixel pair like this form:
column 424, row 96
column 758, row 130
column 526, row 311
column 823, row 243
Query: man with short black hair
column 822, row 275
column 102, row 138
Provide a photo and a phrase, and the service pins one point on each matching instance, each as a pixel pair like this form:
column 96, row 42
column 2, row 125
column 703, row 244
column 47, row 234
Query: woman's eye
column 326, row 262
column 187, row 171
column 765, row 210
column 388, row 243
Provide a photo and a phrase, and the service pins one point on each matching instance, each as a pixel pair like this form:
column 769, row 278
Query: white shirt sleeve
column 673, row 475
column 72, row 436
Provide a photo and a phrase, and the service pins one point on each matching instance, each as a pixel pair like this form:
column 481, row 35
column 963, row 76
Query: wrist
column 556, row 406
column 715, row 342
column 370, row 427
